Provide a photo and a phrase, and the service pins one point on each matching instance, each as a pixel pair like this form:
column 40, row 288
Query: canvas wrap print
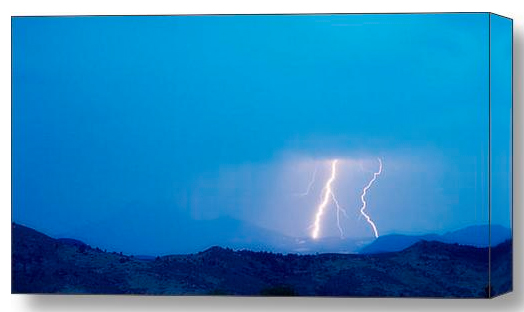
column 345, row 155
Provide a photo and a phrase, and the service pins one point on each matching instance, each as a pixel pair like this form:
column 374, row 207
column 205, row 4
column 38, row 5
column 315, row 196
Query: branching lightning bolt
column 310, row 185
column 327, row 194
column 339, row 209
column 362, row 198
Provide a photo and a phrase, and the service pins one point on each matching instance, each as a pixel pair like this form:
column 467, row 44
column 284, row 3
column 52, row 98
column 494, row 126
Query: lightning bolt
column 362, row 198
column 310, row 185
column 339, row 209
column 327, row 194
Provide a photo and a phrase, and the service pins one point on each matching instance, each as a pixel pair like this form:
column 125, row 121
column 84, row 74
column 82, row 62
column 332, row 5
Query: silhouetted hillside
column 426, row 269
column 477, row 236
column 502, row 268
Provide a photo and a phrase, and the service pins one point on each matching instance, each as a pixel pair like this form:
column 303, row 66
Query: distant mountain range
column 478, row 236
column 41, row 264
column 239, row 235
column 202, row 234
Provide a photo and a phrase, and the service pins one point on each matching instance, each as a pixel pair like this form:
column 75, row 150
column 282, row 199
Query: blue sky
column 152, row 126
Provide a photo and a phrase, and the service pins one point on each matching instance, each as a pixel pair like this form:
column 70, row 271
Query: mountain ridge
column 475, row 235
column 41, row 264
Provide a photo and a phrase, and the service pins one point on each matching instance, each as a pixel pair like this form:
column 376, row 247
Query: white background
column 8, row 302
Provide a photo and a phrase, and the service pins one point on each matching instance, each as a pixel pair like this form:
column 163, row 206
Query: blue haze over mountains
column 240, row 235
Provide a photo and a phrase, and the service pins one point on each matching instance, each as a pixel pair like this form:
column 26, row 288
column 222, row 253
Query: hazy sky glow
column 148, row 127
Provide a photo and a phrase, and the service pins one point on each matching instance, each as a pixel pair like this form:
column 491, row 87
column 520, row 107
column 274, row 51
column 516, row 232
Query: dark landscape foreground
column 41, row 264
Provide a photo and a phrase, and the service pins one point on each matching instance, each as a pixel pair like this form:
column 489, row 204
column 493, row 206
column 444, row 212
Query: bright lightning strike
column 362, row 198
column 328, row 193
